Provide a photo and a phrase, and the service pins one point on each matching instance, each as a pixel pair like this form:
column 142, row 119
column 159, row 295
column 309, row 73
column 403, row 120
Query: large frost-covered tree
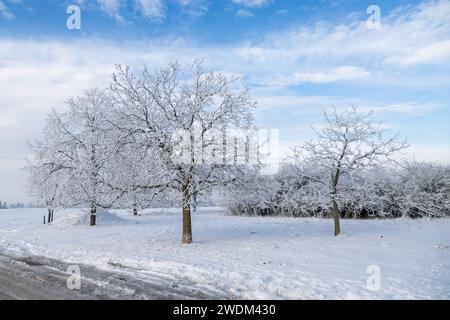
column 176, row 114
column 348, row 141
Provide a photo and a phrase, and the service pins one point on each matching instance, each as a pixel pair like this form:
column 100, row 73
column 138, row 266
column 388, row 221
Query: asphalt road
column 41, row 278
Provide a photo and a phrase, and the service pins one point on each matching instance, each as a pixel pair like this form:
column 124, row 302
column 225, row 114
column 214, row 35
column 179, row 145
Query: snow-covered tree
column 80, row 143
column 135, row 171
column 349, row 141
column 48, row 181
column 47, row 187
column 177, row 114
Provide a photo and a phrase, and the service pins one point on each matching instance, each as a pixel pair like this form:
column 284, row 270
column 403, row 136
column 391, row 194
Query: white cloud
column 284, row 57
column 409, row 36
column 152, row 9
column 194, row 8
column 252, row 3
column 281, row 12
column 4, row 12
column 112, row 8
column 414, row 35
column 272, row 101
column 244, row 13
column 338, row 74
column 435, row 53
column 307, row 105
column 411, row 108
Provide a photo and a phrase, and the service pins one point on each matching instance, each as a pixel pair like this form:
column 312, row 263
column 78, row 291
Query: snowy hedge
column 415, row 189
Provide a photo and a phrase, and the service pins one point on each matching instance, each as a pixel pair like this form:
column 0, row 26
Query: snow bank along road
column 44, row 278
column 237, row 257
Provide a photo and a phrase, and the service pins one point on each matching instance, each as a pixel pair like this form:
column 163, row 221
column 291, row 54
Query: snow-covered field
column 248, row 257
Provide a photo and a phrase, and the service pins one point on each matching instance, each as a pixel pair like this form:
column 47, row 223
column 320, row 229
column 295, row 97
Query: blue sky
column 220, row 21
column 297, row 57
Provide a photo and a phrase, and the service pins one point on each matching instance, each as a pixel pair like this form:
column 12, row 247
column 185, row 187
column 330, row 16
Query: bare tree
column 348, row 141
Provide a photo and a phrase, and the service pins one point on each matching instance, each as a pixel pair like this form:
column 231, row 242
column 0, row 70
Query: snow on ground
column 248, row 257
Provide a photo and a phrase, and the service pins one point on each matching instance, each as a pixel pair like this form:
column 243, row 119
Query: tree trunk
column 52, row 215
column 337, row 227
column 93, row 215
column 335, row 180
column 49, row 215
column 187, row 228
column 194, row 205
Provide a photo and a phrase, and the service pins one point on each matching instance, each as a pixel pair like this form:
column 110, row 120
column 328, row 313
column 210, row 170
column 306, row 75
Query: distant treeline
column 4, row 205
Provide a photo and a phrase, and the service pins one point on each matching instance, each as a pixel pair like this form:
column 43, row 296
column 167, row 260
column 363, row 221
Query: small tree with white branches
column 349, row 141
